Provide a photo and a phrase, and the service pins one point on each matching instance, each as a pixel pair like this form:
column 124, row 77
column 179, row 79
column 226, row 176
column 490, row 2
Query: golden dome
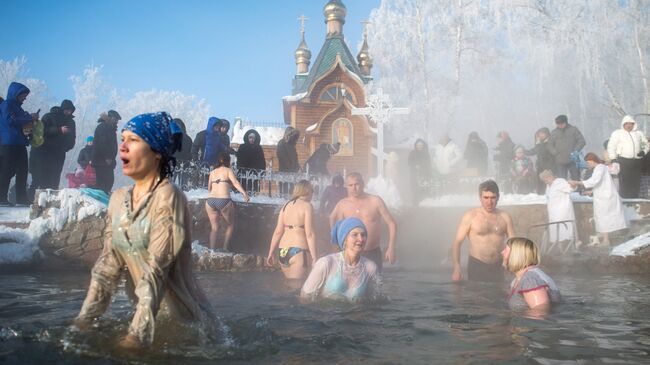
column 303, row 54
column 335, row 10
column 364, row 55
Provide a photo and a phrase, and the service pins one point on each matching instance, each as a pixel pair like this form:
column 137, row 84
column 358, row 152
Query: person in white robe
column 609, row 214
column 559, row 207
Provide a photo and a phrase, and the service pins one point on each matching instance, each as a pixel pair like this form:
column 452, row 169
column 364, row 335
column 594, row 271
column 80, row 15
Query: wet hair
column 337, row 180
column 546, row 173
column 302, row 188
column 488, row 185
column 223, row 159
column 167, row 166
column 593, row 157
column 523, row 253
column 355, row 175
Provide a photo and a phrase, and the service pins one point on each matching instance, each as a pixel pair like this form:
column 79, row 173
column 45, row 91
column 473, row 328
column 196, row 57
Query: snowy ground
column 14, row 215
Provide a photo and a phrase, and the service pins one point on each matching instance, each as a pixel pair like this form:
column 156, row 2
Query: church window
column 336, row 93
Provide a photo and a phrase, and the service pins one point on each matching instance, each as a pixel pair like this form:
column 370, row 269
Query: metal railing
column 548, row 244
column 269, row 183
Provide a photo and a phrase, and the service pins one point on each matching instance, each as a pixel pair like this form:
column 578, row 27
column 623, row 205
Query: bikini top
column 220, row 180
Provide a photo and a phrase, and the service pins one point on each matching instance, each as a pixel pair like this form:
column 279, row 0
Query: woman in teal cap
column 158, row 260
column 344, row 275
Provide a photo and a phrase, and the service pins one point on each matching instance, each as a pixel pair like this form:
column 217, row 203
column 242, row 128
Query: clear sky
column 238, row 55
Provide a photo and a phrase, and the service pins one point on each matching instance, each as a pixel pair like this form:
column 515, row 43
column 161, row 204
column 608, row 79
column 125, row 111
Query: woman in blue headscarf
column 148, row 233
column 344, row 275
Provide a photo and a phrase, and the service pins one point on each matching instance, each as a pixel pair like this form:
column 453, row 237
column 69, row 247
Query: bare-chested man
column 487, row 229
column 371, row 209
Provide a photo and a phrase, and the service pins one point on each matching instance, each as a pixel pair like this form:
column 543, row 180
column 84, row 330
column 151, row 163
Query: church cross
column 302, row 19
column 380, row 110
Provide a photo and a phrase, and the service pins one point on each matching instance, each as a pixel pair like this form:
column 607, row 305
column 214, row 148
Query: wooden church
column 324, row 95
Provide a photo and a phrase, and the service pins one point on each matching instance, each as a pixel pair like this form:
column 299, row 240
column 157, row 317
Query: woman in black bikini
column 294, row 234
column 219, row 206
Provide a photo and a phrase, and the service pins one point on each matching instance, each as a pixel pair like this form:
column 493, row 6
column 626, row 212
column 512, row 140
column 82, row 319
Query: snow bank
column 294, row 97
column 470, row 200
column 22, row 244
column 270, row 136
column 14, row 215
column 631, row 247
column 386, row 189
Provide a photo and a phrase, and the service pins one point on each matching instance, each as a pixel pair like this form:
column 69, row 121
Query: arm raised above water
column 392, row 230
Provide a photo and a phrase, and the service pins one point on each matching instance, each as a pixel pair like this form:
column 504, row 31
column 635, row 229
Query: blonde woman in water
column 219, row 206
column 294, row 234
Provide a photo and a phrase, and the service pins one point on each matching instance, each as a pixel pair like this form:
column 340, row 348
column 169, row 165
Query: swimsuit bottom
column 218, row 203
column 375, row 256
column 286, row 253
column 478, row 270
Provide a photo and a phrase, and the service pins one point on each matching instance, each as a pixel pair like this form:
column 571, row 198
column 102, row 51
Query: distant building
column 323, row 96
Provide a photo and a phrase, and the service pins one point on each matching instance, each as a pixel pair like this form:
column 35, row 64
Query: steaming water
column 427, row 320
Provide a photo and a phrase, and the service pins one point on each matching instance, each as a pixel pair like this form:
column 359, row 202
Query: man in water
column 371, row 209
column 487, row 228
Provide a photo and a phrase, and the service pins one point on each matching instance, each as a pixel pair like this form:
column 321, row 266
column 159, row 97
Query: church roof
column 334, row 44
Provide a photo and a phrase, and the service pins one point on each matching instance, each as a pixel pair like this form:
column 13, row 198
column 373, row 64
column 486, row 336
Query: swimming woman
column 219, row 206
column 147, row 236
column 294, row 234
column 347, row 274
column 531, row 287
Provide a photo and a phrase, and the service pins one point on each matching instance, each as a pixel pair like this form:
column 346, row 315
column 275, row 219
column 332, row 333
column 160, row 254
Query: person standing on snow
column 628, row 146
column 15, row 125
column 565, row 139
column 105, row 150
column 59, row 135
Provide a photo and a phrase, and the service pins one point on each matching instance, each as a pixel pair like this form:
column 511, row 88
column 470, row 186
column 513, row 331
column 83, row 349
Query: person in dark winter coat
column 564, row 140
column 184, row 155
column 316, row 164
column 505, row 153
column 59, row 135
column 198, row 147
column 184, row 158
column 476, row 154
column 250, row 159
column 15, row 126
column 105, row 150
column 86, row 153
column 286, row 151
column 225, row 126
column 213, row 141
column 420, row 169
column 545, row 159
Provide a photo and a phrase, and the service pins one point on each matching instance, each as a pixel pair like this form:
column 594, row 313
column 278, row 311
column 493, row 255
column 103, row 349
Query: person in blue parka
column 213, row 141
column 15, row 127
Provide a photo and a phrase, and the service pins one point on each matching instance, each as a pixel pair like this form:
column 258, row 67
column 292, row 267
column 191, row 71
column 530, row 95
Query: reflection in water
column 425, row 320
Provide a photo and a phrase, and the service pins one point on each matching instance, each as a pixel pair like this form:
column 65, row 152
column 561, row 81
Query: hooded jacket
column 185, row 153
column 251, row 155
column 105, row 142
column 54, row 139
column 213, row 141
column 627, row 144
column 476, row 153
column 564, row 141
column 286, row 151
column 13, row 118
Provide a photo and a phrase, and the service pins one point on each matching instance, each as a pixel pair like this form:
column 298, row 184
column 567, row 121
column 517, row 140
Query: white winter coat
column 627, row 144
column 608, row 208
column 560, row 208
column 447, row 157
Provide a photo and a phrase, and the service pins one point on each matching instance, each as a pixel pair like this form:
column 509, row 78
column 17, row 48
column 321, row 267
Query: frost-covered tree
column 15, row 70
column 490, row 65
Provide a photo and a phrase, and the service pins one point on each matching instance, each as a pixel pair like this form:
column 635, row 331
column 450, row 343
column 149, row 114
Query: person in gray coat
column 564, row 140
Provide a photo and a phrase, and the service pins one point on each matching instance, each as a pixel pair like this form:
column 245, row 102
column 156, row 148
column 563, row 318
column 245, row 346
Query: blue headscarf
column 343, row 227
column 159, row 131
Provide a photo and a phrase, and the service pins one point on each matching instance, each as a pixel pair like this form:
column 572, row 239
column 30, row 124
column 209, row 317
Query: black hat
column 561, row 119
column 67, row 104
column 113, row 114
